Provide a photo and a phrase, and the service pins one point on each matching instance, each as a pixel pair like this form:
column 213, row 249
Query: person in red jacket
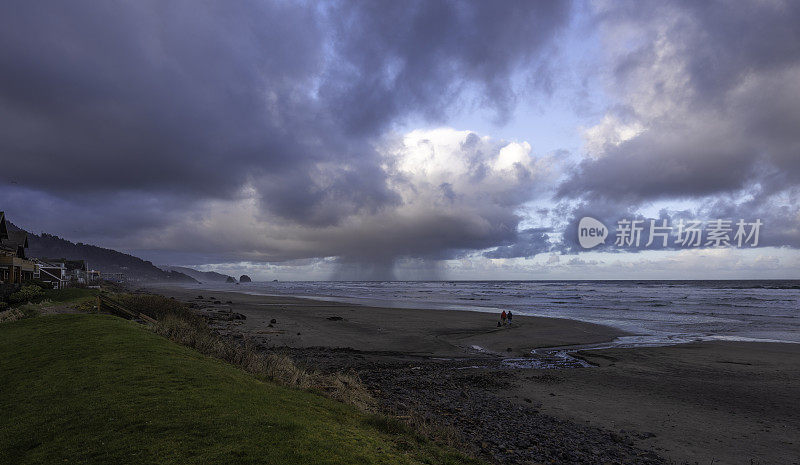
column 503, row 317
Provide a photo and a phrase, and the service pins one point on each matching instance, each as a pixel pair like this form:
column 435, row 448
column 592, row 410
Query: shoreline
column 641, row 326
column 701, row 402
column 415, row 331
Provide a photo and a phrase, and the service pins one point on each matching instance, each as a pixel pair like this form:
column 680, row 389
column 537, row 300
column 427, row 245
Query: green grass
column 68, row 294
column 99, row 389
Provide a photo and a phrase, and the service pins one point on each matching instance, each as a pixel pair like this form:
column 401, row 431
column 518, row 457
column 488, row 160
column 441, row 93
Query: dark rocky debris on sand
column 460, row 395
column 212, row 314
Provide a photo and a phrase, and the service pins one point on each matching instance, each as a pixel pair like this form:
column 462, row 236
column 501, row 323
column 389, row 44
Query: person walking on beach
column 503, row 317
column 509, row 316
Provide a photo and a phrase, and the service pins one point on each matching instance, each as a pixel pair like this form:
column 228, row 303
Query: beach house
column 15, row 268
column 53, row 273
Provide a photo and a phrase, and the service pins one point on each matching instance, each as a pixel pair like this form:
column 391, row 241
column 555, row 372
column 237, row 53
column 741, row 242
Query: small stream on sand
column 548, row 358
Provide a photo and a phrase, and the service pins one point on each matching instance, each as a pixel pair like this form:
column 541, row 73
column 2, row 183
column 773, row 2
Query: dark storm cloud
column 714, row 88
column 416, row 56
column 780, row 214
column 659, row 165
column 132, row 116
column 92, row 218
column 152, row 95
column 528, row 243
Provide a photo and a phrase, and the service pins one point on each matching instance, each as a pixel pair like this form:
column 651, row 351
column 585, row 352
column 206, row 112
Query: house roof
column 12, row 240
column 48, row 264
column 16, row 242
column 3, row 227
column 16, row 239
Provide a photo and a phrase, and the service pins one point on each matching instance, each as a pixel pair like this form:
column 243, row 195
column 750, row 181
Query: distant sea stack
column 245, row 279
column 230, row 280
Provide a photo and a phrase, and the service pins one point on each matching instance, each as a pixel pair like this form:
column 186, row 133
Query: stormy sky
column 413, row 140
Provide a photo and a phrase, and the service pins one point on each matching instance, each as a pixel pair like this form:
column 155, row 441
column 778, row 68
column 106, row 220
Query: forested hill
column 202, row 276
column 48, row 246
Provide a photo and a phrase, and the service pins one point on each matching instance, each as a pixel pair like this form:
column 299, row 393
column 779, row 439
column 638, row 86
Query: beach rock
column 244, row 279
column 230, row 280
column 273, row 321
column 335, row 318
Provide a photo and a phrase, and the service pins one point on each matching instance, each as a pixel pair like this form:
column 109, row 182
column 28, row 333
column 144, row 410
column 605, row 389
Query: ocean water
column 656, row 312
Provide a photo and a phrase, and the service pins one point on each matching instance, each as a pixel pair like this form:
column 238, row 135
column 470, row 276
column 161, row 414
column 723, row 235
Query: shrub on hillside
column 19, row 313
column 29, row 310
column 29, row 293
column 40, row 283
column 178, row 323
column 159, row 307
column 279, row 368
column 11, row 315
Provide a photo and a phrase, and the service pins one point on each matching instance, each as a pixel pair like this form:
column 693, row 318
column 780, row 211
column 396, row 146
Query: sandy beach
column 438, row 333
column 713, row 402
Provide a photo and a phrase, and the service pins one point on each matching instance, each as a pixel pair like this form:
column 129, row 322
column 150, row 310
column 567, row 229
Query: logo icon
column 591, row 232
